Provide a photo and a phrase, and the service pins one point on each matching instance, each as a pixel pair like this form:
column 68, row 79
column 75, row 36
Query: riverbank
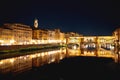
column 17, row 47
column 29, row 50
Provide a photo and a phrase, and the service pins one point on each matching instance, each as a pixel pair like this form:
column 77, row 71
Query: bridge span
column 100, row 46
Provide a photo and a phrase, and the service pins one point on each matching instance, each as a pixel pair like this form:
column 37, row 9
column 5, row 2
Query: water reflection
column 23, row 63
column 27, row 62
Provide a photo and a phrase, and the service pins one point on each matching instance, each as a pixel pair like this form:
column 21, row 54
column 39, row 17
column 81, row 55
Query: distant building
column 57, row 34
column 51, row 35
column 62, row 37
column 44, row 35
column 40, row 34
column 116, row 33
column 72, row 34
column 22, row 33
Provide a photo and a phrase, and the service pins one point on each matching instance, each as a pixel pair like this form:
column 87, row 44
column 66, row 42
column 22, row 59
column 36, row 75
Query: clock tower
column 36, row 23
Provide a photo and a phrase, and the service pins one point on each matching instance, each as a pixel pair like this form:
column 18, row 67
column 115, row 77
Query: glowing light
column 85, row 52
column 86, row 46
column 11, row 60
column 119, row 52
column 93, row 45
column 53, row 59
column 42, row 54
column 12, row 41
column 46, row 53
column 1, row 41
column 1, row 62
column 24, row 58
column 92, row 52
column 74, row 47
column 61, row 57
column 20, row 57
column 33, row 56
column 38, row 55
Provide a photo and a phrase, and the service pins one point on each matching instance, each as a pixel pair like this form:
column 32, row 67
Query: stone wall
column 15, row 47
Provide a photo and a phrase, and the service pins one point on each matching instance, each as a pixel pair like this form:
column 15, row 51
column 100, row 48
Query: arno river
column 26, row 62
column 18, row 65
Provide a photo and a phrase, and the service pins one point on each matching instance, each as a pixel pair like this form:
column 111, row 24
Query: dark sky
column 87, row 17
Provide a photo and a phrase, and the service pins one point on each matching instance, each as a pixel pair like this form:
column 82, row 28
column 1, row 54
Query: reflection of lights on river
column 25, row 58
column 38, row 55
column 61, row 57
column 42, row 54
column 119, row 52
column 53, row 52
column 53, row 59
column 33, row 56
column 46, row 53
column 20, row 57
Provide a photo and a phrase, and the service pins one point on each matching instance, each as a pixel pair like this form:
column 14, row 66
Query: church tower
column 36, row 23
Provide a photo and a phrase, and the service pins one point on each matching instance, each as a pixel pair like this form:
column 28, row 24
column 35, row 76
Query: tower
column 36, row 23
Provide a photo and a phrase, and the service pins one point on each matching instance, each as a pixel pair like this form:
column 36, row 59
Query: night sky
column 87, row 17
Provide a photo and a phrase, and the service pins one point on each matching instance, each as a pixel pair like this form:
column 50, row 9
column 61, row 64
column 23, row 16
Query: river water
column 20, row 64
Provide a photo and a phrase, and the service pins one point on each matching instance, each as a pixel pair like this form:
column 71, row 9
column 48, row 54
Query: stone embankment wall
column 15, row 47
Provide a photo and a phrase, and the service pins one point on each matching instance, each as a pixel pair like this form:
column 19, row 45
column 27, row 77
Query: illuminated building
column 57, row 34
column 62, row 37
column 51, row 35
column 35, row 34
column 116, row 33
column 19, row 34
column 39, row 35
column 6, row 36
column 73, row 34
column 45, row 35
column 22, row 33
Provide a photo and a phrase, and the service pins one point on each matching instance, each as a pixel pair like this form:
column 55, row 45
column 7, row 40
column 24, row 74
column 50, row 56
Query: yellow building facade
column 22, row 33
column 6, row 36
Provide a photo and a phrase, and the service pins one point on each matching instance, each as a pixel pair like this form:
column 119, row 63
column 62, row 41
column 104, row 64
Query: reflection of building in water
column 23, row 63
column 116, row 33
column 17, row 64
column 48, row 57
column 73, row 52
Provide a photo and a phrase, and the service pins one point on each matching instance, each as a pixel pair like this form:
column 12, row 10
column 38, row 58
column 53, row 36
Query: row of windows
column 6, row 33
column 5, row 38
column 22, row 35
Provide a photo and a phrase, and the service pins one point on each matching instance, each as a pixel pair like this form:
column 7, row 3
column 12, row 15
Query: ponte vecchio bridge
column 100, row 46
